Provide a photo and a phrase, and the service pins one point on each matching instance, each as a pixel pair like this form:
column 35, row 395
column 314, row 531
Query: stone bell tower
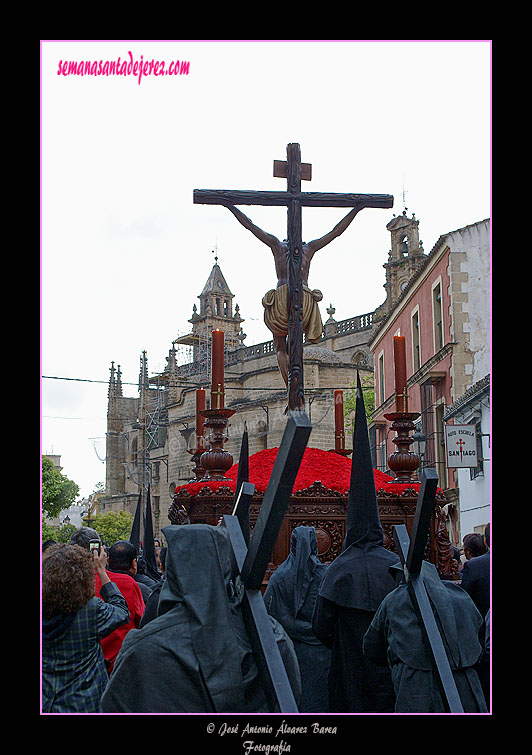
column 215, row 313
column 405, row 258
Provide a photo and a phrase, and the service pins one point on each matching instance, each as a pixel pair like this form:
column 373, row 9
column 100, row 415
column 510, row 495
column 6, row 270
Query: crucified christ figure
column 275, row 301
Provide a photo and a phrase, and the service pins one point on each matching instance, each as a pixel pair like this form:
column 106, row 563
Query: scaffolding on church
column 184, row 351
column 156, row 418
column 196, row 347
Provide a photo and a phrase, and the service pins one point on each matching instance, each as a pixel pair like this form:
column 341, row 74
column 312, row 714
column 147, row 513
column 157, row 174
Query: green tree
column 64, row 532
column 368, row 392
column 113, row 526
column 48, row 532
column 61, row 534
column 58, row 492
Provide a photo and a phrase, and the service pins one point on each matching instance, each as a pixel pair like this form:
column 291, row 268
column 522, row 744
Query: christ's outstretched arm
column 338, row 229
column 266, row 238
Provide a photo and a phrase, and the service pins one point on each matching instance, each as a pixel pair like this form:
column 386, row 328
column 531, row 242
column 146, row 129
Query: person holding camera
column 121, row 569
column 74, row 621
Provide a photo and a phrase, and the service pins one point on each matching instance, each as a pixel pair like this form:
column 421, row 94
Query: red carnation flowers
column 327, row 467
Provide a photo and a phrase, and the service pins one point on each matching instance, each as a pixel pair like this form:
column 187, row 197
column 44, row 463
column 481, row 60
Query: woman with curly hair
column 74, row 621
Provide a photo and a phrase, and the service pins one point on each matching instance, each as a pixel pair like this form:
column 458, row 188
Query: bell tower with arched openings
column 404, row 258
column 215, row 312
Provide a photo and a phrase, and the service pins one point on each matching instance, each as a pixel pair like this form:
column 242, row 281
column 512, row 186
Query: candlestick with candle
column 200, row 406
column 217, row 370
column 216, row 461
column 399, row 357
column 200, row 435
column 339, row 431
column 339, row 436
column 402, row 462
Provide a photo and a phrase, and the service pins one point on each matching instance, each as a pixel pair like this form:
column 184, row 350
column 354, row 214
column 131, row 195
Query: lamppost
column 420, row 442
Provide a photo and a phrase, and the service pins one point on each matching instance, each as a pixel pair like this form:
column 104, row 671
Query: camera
column 95, row 545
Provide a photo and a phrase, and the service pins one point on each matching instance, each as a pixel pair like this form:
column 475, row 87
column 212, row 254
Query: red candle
column 399, row 356
column 339, row 439
column 217, row 370
column 200, row 406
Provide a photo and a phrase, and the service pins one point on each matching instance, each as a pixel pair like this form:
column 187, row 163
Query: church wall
column 121, row 410
column 350, row 344
column 113, row 471
column 181, row 435
column 259, row 427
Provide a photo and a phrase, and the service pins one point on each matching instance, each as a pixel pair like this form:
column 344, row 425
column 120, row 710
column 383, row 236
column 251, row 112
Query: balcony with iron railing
column 267, row 348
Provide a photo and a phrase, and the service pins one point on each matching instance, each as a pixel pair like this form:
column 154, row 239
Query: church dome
column 320, row 354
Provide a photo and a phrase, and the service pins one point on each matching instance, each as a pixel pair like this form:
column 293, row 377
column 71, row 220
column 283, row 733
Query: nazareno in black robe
column 354, row 586
column 290, row 597
column 195, row 657
column 395, row 639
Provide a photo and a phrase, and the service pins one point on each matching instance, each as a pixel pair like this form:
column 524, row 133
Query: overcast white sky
column 125, row 252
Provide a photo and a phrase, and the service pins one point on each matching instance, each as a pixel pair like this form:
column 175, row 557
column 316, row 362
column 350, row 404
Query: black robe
column 353, row 588
column 290, row 597
column 351, row 592
column 476, row 581
column 195, row 657
column 395, row 639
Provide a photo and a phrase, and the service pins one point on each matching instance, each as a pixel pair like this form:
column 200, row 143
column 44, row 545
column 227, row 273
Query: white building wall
column 473, row 244
column 475, row 494
column 474, row 240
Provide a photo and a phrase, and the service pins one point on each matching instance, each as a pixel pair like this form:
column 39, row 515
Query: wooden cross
column 411, row 554
column 250, row 563
column 294, row 199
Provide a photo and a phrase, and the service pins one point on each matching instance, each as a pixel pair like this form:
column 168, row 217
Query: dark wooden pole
column 296, row 401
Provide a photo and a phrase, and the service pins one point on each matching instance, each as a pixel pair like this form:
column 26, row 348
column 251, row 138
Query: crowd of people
column 117, row 641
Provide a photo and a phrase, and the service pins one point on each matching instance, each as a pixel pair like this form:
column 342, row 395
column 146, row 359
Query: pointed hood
column 363, row 524
column 359, row 576
column 134, row 537
column 148, row 550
